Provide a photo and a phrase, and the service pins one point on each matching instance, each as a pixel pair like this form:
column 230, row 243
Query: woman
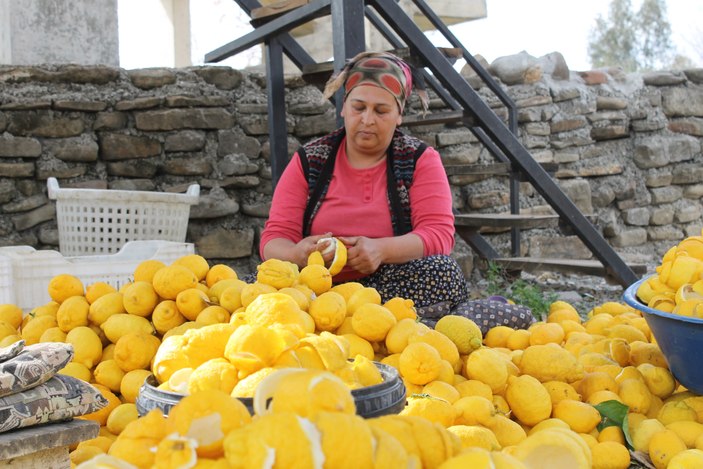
column 384, row 194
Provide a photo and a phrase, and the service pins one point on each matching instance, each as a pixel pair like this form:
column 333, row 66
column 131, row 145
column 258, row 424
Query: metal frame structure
column 499, row 139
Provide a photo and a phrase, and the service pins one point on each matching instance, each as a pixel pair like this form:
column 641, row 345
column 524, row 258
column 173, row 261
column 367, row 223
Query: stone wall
column 628, row 150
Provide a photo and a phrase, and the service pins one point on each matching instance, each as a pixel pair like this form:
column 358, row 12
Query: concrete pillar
column 59, row 31
column 181, row 33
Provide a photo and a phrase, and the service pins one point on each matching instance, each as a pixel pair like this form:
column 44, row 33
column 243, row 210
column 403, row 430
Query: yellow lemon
column 208, row 416
column 635, row 394
column 432, row 408
column 121, row 416
column 138, row 440
column 52, row 334
column 519, row 339
column 72, row 313
column 109, row 374
column 553, row 448
column 663, row 446
column 446, row 348
column 559, row 390
column 87, row 346
column 497, row 336
column 96, row 290
column 131, row 383
column 140, row 298
column 610, row 455
column 145, row 270
column 360, row 297
column 581, row 417
column 219, row 272
column 250, row 292
column 465, row 334
column 105, row 306
column 472, row 436
column 35, row 327
column 11, row 314
column 340, row 254
column 473, row 387
column 300, row 297
column 359, row 346
column 135, row 350
column 217, row 373
column 169, row 281
column 246, row 387
column 316, row 277
column 597, row 381
column 398, row 335
column 166, row 316
column 191, row 301
column 277, row 308
column 473, row 410
column 206, row 342
column 401, row 308
column 642, row 433
column 686, row 459
column 277, row 273
column 213, row 314
column 175, row 451
column 252, row 347
column 528, row 399
column 304, row 392
column 372, row 322
column 442, row 390
column 64, row 286
column 659, row 380
column 676, row 411
column 328, row 311
column 169, row 358
column 346, row 289
column 195, row 263
column 230, row 297
column 546, row 332
column 420, row 363
column 508, row 432
column 487, row 366
column 77, row 370
column 550, row 362
column 688, row 430
column 118, row 325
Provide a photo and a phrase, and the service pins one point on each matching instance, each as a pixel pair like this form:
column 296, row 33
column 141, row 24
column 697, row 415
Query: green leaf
column 614, row 413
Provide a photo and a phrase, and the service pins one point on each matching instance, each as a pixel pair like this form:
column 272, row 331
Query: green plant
column 519, row 290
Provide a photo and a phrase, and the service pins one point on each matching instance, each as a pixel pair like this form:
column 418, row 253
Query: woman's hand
column 306, row 246
column 297, row 253
column 364, row 254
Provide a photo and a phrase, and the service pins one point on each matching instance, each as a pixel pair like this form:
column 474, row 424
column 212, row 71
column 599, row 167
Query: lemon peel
column 340, row 254
column 304, row 392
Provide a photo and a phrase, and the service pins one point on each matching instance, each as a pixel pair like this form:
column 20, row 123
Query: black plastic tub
column 380, row 399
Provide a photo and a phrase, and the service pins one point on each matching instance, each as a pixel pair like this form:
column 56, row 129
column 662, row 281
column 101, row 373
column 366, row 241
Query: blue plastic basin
column 680, row 339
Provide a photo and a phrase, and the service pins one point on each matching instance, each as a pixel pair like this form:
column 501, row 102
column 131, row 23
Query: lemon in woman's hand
column 340, row 254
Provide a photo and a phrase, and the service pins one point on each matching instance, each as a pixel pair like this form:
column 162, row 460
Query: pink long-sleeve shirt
column 356, row 204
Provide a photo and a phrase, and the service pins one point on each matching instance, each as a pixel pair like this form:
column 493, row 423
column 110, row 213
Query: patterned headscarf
column 379, row 69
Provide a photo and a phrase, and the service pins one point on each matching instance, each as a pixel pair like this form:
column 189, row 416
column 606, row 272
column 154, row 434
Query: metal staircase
column 272, row 26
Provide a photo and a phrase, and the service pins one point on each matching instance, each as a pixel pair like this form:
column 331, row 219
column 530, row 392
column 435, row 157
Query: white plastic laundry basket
column 95, row 221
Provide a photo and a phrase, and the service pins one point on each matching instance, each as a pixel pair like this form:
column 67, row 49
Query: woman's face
column 371, row 115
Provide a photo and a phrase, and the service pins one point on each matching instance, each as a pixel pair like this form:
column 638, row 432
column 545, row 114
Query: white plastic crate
column 25, row 272
column 95, row 221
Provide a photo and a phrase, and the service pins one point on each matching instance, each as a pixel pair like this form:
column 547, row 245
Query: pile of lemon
column 525, row 398
column 677, row 286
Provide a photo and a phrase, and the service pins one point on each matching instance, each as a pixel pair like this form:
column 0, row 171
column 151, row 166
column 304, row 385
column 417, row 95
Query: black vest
column 318, row 158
